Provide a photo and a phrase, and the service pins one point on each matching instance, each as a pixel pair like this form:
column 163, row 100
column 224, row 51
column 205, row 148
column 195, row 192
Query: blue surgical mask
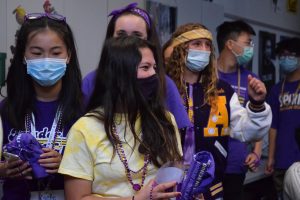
column 246, row 56
column 46, row 71
column 197, row 60
column 288, row 64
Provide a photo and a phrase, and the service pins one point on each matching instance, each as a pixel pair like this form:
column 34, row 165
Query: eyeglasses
column 251, row 44
column 248, row 44
column 56, row 17
column 291, row 57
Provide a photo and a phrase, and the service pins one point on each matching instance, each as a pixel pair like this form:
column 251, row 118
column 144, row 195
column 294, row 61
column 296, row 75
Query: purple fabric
column 199, row 175
column 189, row 146
column 134, row 9
column 121, row 10
column 237, row 151
column 285, row 120
column 28, row 149
column 173, row 99
column 44, row 115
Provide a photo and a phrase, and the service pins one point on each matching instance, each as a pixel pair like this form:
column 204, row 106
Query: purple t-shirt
column 237, row 151
column 44, row 116
column 173, row 99
column 286, row 113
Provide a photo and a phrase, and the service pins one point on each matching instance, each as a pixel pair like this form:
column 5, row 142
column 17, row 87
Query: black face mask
column 148, row 86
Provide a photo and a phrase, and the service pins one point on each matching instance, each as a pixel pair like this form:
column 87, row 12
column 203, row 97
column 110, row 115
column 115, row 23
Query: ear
column 69, row 58
column 229, row 44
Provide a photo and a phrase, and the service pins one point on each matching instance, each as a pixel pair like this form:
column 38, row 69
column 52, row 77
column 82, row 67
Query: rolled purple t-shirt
column 173, row 99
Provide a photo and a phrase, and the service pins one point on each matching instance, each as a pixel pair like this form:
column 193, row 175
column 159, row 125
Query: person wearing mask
column 44, row 99
column 132, row 20
column 285, row 104
column 212, row 105
column 235, row 45
column 115, row 150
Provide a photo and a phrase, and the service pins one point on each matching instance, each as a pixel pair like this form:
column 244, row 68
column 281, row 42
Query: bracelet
column 257, row 157
column 256, row 108
column 256, row 102
column 257, row 161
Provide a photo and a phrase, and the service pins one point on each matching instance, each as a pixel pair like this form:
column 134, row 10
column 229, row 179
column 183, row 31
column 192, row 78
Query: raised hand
column 256, row 89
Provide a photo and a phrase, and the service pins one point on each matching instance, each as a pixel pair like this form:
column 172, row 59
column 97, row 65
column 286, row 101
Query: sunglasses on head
column 56, row 17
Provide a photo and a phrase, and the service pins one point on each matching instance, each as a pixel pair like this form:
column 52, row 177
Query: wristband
column 256, row 108
column 254, row 102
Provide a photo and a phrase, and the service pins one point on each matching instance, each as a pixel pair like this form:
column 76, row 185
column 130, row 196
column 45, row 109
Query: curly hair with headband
column 177, row 63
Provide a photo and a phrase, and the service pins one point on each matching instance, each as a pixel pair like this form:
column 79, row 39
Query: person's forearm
column 272, row 142
column 258, row 147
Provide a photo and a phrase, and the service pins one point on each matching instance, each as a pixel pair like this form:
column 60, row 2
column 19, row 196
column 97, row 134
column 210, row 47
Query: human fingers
column 164, row 186
column 51, row 156
column 13, row 168
column 250, row 159
column 165, row 195
column 48, row 152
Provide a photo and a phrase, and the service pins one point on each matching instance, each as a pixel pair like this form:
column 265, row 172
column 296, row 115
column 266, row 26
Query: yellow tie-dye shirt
column 88, row 156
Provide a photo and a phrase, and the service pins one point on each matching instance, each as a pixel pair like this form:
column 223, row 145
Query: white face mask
column 197, row 60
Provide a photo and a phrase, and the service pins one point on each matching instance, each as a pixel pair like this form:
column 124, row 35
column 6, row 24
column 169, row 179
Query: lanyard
column 282, row 87
column 53, row 131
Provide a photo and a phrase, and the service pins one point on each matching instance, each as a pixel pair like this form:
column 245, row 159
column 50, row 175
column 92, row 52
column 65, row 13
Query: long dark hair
column 20, row 91
column 152, row 36
column 117, row 90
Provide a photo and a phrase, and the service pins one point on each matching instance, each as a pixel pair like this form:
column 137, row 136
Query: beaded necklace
column 123, row 159
column 188, row 100
column 55, row 128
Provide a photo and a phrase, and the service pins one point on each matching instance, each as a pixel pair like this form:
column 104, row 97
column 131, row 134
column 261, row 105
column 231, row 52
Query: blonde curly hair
column 177, row 62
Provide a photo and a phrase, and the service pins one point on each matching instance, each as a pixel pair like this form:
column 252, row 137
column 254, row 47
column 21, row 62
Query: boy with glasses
column 284, row 100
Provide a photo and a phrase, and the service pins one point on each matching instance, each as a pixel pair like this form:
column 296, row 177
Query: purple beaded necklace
column 123, row 159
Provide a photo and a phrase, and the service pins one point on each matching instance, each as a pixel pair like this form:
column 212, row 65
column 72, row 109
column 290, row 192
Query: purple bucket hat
column 28, row 149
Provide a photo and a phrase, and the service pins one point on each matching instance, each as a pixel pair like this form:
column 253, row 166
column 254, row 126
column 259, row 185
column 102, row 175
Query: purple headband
column 134, row 9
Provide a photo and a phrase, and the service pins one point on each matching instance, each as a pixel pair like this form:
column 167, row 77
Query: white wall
column 263, row 11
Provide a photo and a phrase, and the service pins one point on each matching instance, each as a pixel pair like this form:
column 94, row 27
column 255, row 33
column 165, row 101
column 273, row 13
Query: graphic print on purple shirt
column 237, row 151
column 286, row 113
column 44, row 115
column 173, row 99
